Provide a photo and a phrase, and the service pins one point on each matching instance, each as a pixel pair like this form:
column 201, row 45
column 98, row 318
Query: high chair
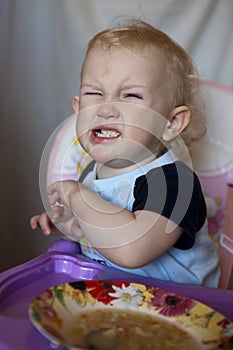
column 212, row 161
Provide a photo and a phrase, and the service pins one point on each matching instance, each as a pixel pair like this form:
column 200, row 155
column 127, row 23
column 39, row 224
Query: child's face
column 121, row 90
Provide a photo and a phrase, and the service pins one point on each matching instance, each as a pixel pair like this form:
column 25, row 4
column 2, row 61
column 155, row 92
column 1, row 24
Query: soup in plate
column 118, row 329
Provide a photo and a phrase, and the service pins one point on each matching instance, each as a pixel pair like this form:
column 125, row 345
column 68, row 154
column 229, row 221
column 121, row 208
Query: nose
column 108, row 110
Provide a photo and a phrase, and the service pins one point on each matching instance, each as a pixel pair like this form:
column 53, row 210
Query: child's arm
column 127, row 239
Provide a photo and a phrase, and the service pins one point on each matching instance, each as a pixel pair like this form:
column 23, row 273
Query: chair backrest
column 67, row 159
column 226, row 241
column 212, row 160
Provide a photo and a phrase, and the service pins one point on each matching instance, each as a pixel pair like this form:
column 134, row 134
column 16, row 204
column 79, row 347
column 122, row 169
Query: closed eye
column 93, row 93
column 132, row 95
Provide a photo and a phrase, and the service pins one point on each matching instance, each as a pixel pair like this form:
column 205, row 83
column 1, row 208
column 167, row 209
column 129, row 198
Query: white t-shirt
column 170, row 188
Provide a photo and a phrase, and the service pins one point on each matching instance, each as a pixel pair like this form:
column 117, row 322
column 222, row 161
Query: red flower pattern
column 47, row 294
column 49, row 313
column 171, row 304
column 100, row 291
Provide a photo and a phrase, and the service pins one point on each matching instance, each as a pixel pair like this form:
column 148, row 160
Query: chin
column 119, row 163
column 109, row 160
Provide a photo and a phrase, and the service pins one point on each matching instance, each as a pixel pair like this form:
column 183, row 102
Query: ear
column 179, row 120
column 75, row 104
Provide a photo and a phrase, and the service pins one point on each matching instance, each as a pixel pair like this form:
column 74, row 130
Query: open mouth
column 106, row 133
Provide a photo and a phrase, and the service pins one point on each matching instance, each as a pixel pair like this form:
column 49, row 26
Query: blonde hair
column 183, row 83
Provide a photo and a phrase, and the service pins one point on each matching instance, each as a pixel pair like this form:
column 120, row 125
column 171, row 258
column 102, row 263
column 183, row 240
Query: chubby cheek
column 139, row 134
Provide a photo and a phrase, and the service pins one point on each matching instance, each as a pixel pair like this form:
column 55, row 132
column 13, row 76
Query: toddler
column 138, row 205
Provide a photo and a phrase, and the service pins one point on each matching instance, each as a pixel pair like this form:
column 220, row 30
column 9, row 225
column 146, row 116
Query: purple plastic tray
column 18, row 286
column 62, row 264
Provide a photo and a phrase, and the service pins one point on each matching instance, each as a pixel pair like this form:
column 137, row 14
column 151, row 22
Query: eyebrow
column 131, row 86
column 88, row 85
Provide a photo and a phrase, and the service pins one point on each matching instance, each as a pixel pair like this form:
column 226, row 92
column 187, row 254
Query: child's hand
column 45, row 223
column 61, row 191
column 58, row 222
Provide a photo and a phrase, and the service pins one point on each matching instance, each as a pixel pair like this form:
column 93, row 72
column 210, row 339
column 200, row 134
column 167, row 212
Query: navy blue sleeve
column 173, row 191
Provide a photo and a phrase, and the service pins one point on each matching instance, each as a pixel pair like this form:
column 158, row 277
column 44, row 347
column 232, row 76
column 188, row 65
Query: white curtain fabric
column 42, row 43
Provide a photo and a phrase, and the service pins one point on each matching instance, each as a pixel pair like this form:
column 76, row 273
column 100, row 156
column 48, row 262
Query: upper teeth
column 107, row 133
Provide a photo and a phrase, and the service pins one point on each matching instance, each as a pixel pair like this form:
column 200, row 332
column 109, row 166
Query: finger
column 45, row 224
column 54, row 187
column 34, row 222
column 53, row 198
column 56, row 212
column 53, row 193
column 41, row 221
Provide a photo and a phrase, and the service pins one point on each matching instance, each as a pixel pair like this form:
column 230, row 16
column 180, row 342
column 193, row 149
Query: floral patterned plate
column 55, row 309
